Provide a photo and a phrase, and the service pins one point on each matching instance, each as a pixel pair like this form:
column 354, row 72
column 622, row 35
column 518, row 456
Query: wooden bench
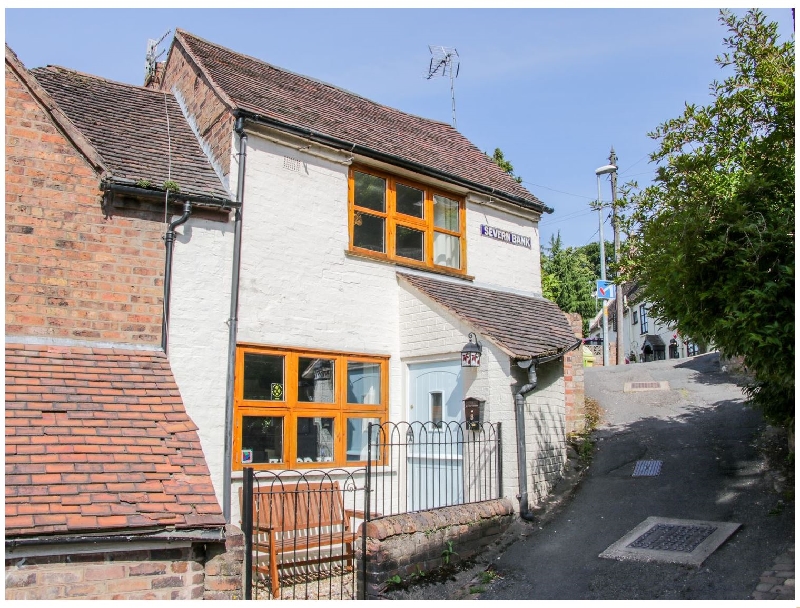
column 300, row 522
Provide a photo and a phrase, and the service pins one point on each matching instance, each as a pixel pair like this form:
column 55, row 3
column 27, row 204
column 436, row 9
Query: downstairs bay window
column 296, row 409
column 406, row 222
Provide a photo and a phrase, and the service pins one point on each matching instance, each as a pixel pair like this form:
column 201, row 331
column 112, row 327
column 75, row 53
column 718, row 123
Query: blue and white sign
column 606, row 290
column 504, row 235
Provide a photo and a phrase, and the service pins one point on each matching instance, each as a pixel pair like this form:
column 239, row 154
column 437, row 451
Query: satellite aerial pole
column 151, row 59
column 442, row 64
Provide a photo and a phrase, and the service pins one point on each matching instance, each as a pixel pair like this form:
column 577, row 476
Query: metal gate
column 302, row 528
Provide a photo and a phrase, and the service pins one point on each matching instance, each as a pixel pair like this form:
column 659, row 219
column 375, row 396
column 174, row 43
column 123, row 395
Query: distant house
column 108, row 494
column 646, row 338
column 373, row 243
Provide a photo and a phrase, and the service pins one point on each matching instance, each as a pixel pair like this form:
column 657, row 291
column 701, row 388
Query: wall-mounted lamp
column 473, row 413
column 471, row 353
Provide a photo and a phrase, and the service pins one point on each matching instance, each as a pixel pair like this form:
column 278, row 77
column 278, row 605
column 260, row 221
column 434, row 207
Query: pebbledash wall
column 300, row 287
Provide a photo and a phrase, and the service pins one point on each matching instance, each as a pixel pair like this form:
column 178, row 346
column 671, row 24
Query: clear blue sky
column 553, row 88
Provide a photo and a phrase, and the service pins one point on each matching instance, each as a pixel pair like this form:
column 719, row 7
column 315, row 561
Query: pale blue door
column 434, row 455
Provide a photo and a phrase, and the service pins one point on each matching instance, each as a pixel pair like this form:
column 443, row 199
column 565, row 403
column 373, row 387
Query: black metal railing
column 300, row 532
column 301, row 527
column 416, row 466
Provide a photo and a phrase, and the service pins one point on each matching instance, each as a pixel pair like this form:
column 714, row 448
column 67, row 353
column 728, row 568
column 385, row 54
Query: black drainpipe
column 519, row 414
column 169, row 241
column 227, row 461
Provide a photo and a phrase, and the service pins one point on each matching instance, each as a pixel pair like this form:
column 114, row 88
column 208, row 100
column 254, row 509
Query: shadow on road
column 708, row 370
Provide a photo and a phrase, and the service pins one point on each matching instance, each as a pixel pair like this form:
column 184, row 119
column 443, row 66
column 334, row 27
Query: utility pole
column 612, row 159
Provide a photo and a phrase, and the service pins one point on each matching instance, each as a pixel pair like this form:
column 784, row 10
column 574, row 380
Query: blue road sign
column 606, row 290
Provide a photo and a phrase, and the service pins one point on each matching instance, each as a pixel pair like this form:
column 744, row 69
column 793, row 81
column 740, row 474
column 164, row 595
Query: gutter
column 197, row 199
column 201, row 534
column 353, row 148
column 227, row 460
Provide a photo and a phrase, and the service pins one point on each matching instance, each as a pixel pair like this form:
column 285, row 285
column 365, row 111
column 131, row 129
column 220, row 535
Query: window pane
column 263, row 377
column 357, row 439
column 446, row 250
column 436, row 409
column 363, row 383
column 315, row 382
column 445, row 213
column 262, row 439
column 410, row 243
column 315, row 439
column 370, row 191
column 368, row 232
column 410, row 200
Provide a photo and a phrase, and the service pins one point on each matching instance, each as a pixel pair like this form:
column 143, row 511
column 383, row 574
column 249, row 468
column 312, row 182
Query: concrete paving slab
column 698, row 540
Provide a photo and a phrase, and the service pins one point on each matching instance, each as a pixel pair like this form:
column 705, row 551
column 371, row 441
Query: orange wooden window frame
column 393, row 218
column 291, row 408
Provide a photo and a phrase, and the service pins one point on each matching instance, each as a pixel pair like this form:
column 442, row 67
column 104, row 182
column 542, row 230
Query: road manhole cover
column 677, row 541
column 669, row 537
column 647, row 468
column 635, row 387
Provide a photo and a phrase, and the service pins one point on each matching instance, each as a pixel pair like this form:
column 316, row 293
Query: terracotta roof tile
column 108, row 459
column 523, row 326
column 299, row 101
column 127, row 125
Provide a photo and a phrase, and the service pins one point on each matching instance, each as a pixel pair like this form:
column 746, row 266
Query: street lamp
column 605, row 169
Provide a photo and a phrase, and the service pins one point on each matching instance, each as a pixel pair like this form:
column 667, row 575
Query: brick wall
column 223, row 567
column 71, row 270
column 574, row 388
column 159, row 574
column 210, row 119
column 400, row 544
column 198, row 571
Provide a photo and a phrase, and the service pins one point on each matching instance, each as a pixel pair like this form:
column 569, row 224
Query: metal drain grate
column 633, row 387
column 645, row 385
column 647, row 468
column 671, row 541
column 670, row 537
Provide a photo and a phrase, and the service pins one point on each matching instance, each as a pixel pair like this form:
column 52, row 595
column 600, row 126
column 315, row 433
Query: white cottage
column 370, row 244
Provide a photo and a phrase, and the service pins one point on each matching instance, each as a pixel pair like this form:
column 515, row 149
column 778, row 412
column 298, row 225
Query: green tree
column 568, row 279
column 505, row 165
column 711, row 242
column 592, row 252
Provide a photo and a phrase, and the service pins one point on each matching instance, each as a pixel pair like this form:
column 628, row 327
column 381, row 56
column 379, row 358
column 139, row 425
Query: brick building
column 108, row 494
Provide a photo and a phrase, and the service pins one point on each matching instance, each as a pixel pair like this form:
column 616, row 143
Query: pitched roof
column 141, row 134
column 299, row 101
column 98, row 439
column 522, row 326
column 65, row 124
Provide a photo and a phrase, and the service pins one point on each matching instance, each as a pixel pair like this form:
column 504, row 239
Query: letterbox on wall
column 473, row 413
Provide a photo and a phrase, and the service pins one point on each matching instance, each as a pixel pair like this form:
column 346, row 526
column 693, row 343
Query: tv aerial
column 445, row 62
column 152, row 56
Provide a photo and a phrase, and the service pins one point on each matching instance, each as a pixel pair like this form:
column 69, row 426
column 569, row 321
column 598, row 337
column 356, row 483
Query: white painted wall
column 300, row 288
column 198, row 332
column 499, row 264
column 429, row 331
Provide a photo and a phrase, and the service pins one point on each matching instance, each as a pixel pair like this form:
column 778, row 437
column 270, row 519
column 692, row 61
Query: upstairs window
column 643, row 319
column 406, row 222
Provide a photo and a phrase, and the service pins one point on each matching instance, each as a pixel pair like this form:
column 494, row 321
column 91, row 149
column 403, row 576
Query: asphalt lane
column 705, row 435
